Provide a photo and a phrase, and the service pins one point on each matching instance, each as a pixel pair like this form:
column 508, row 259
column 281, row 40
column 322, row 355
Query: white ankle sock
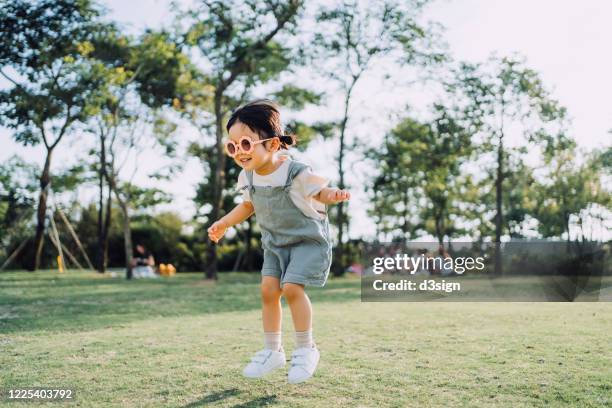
column 272, row 340
column 303, row 338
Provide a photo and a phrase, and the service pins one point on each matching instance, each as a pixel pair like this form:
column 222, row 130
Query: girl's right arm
column 240, row 213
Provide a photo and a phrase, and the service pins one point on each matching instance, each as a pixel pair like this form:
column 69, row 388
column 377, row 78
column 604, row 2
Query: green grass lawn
column 182, row 342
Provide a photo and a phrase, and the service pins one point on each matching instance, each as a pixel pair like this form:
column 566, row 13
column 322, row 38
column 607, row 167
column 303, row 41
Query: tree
column 571, row 190
column 351, row 36
column 130, row 196
column 501, row 94
column 440, row 159
column 42, row 58
column 422, row 174
column 395, row 188
column 136, row 79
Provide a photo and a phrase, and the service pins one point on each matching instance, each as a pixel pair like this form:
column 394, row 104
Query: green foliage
column 142, row 197
column 165, row 74
column 292, row 97
column 18, row 179
column 42, row 46
column 35, row 34
column 18, row 185
column 504, row 90
column 162, row 235
column 571, row 190
column 420, row 173
column 230, row 35
column 519, row 201
column 306, row 133
column 352, row 34
column 603, row 160
column 205, row 191
column 70, row 178
column 136, row 78
column 495, row 96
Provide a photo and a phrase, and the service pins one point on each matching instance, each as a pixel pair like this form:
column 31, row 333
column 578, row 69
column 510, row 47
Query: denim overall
column 297, row 248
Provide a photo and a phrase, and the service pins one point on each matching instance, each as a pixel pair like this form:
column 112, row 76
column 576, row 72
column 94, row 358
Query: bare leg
column 299, row 303
column 271, row 311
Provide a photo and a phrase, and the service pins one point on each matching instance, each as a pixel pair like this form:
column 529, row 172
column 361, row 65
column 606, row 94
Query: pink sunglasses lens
column 231, row 147
column 245, row 145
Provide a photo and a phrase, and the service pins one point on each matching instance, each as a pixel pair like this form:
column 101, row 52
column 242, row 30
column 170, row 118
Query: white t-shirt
column 305, row 185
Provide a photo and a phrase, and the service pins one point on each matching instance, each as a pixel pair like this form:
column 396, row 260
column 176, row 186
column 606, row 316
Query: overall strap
column 249, row 175
column 295, row 167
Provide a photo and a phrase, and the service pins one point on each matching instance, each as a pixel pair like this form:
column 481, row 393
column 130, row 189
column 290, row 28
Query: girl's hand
column 341, row 195
column 333, row 195
column 217, row 230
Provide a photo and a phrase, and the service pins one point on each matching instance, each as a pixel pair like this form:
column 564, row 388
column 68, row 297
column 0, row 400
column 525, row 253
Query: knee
column 270, row 292
column 292, row 291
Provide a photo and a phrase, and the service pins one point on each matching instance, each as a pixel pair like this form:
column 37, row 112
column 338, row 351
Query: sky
column 564, row 40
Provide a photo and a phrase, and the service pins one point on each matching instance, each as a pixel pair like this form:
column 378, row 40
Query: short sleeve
column 243, row 186
column 309, row 183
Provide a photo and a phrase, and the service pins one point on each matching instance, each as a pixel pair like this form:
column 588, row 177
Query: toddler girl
column 289, row 201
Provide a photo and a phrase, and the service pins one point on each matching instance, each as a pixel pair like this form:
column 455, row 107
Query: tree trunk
column 405, row 215
column 100, row 251
column 379, row 215
column 218, row 185
column 41, row 211
column 439, row 229
column 127, row 231
column 10, row 217
column 127, row 239
column 106, row 228
column 498, row 204
column 341, row 206
column 567, row 241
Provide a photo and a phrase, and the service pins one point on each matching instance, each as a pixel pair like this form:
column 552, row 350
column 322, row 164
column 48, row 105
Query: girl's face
column 262, row 153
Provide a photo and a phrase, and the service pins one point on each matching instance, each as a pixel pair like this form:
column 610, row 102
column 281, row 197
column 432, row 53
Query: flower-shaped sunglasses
column 247, row 145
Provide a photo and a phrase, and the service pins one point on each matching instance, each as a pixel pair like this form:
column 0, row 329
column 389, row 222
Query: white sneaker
column 263, row 362
column 303, row 364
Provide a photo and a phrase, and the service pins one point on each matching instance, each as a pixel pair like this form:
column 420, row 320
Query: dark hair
column 262, row 116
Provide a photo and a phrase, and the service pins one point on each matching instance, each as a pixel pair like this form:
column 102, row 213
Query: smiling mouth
column 244, row 160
